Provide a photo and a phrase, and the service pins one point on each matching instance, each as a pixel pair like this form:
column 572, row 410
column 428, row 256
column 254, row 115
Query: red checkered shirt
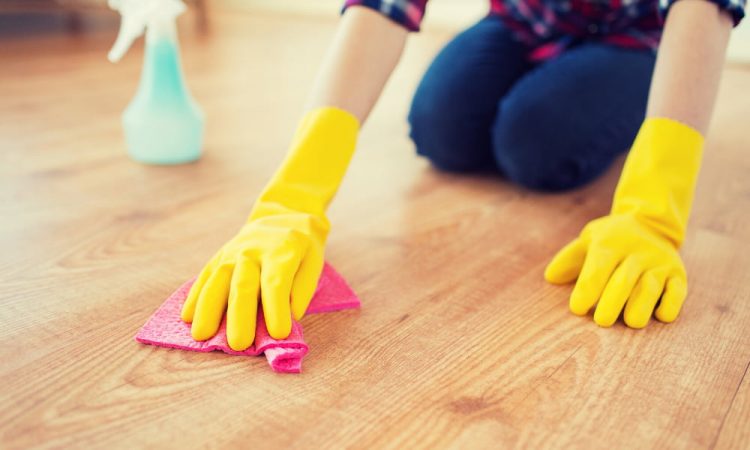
column 548, row 27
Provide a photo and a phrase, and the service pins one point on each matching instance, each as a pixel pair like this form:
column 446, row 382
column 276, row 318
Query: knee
column 536, row 147
column 425, row 117
column 446, row 130
column 434, row 132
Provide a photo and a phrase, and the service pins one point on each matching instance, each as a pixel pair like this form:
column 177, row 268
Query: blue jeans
column 551, row 126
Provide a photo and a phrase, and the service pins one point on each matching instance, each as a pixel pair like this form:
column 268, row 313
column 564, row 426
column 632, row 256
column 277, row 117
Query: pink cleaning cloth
column 166, row 329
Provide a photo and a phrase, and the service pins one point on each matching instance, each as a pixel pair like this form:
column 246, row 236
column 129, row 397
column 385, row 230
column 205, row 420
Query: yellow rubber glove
column 629, row 258
column 278, row 253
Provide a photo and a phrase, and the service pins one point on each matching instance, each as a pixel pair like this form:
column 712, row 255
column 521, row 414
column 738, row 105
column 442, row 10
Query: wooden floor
column 460, row 343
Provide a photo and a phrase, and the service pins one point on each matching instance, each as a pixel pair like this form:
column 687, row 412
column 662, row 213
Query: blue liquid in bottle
column 163, row 124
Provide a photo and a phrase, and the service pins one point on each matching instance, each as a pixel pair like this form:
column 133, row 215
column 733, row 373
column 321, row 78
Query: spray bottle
column 163, row 124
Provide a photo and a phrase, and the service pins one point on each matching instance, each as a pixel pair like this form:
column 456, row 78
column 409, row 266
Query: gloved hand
column 278, row 253
column 629, row 258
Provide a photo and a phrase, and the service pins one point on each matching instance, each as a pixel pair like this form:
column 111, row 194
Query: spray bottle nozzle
column 136, row 16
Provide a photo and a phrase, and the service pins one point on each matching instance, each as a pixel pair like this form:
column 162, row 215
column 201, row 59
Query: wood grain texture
column 459, row 344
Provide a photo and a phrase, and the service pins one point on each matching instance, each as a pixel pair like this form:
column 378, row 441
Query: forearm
column 364, row 52
column 689, row 63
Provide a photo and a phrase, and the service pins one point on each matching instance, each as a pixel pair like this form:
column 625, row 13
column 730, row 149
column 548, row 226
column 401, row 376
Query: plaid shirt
column 548, row 27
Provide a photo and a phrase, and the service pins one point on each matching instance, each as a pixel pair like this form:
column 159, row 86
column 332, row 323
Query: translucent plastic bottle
column 163, row 124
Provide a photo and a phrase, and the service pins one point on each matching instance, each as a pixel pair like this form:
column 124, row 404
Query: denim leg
column 455, row 104
column 565, row 122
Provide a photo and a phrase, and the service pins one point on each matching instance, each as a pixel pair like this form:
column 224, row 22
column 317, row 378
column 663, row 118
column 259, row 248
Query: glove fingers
column 644, row 297
column 276, row 277
column 242, row 309
column 617, row 291
column 672, row 300
column 567, row 263
column 212, row 303
column 306, row 281
column 597, row 270
column 188, row 308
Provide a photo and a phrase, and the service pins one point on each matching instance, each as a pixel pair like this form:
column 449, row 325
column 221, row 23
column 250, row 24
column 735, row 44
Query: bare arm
column 364, row 52
column 689, row 63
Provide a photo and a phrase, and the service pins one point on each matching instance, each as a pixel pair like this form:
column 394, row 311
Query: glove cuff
column 658, row 180
column 316, row 163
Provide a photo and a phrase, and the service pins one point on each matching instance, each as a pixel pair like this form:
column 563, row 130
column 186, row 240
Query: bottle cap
column 136, row 16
